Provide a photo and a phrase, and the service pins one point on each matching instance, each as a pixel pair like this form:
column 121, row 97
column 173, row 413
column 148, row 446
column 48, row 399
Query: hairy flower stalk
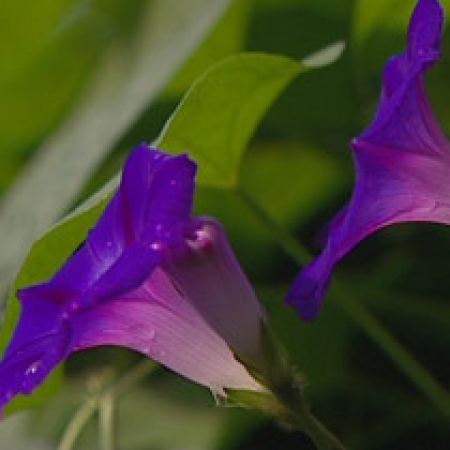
column 402, row 162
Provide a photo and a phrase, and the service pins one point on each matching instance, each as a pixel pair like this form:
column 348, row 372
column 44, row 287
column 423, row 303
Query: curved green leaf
column 219, row 114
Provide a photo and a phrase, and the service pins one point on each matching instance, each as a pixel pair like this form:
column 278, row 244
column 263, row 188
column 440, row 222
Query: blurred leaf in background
column 48, row 54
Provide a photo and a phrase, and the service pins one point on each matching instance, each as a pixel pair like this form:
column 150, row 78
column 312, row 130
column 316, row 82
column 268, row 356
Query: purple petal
column 147, row 214
column 150, row 207
column 39, row 343
column 404, row 119
column 156, row 320
column 215, row 286
column 402, row 162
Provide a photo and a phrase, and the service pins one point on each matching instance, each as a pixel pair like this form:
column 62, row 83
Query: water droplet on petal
column 33, row 368
column 72, row 307
column 157, row 246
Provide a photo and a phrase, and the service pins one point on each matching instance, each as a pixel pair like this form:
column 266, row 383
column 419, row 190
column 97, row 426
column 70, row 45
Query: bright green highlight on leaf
column 220, row 113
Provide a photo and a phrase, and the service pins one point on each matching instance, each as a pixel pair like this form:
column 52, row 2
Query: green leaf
column 130, row 77
column 219, row 114
column 48, row 53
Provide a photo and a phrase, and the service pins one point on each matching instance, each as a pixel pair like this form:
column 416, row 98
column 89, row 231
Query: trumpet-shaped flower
column 402, row 162
column 148, row 277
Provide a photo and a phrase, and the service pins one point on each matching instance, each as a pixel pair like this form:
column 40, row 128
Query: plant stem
column 318, row 433
column 106, row 422
column 132, row 377
column 77, row 423
column 288, row 242
column 367, row 322
column 404, row 360
column 104, row 402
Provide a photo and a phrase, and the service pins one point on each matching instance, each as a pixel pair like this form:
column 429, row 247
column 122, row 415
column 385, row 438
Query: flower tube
column 148, row 277
column 402, row 162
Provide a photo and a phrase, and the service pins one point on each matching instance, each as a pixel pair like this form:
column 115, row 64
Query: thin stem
column 367, row 322
column 104, row 402
column 416, row 373
column 134, row 376
column 285, row 399
column 77, row 423
column 106, row 422
column 288, row 242
column 318, row 433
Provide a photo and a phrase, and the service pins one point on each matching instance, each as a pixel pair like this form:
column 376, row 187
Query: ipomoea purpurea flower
column 148, row 277
column 402, row 162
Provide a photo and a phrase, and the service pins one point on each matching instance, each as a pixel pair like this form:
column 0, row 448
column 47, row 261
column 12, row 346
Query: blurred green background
column 83, row 81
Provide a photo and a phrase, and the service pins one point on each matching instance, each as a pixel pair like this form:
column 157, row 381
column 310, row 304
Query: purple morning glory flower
column 148, row 277
column 402, row 162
